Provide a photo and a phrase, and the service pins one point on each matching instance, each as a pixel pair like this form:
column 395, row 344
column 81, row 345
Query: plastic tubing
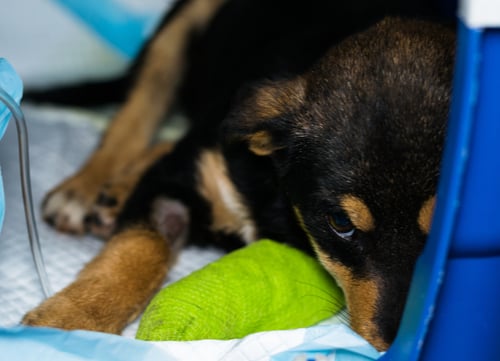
column 24, row 166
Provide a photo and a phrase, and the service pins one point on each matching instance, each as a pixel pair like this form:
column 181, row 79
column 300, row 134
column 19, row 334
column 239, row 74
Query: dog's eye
column 340, row 223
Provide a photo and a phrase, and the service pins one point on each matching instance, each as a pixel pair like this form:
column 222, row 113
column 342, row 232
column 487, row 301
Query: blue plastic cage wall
column 452, row 312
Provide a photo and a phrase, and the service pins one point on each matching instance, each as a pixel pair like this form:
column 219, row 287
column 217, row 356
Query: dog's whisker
column 324, row 291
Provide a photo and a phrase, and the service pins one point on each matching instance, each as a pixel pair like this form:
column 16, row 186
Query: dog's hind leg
column 131, row 130
column 114, row 288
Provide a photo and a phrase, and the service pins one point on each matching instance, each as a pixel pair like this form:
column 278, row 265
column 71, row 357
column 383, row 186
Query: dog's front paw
column 70, row 207
column 67, row 207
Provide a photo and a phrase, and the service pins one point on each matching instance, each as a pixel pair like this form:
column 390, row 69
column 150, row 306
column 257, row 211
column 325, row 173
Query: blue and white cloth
column 321, row 343
column 61, row 42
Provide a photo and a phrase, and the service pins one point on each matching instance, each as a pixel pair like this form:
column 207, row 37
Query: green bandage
column 265, row 286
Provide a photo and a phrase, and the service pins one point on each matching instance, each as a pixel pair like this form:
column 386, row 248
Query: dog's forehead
column 399, row 68
column 372, row 130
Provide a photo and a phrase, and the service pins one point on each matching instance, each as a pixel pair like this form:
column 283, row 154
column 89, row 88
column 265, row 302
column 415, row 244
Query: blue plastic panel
column 478, row 227
column 466, row 324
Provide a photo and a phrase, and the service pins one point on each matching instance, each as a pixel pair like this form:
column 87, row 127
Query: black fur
column 368, row 120
column 369, row 126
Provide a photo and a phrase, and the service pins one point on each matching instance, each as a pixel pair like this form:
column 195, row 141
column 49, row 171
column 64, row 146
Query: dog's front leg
column 113, row 288
column 67, row 207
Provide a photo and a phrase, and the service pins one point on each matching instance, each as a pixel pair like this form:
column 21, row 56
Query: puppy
column 307, row 135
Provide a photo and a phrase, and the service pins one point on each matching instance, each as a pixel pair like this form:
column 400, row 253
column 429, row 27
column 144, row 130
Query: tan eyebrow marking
column 261, row 143
column 358, row 212
column 425, row 215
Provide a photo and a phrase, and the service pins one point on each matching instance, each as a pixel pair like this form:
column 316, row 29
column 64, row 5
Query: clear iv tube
column 24, row 165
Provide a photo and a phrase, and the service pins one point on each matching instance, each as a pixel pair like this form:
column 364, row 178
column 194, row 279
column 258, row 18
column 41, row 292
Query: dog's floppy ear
column 263, row 115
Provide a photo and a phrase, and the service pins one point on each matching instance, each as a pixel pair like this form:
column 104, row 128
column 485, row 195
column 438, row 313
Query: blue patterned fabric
column 10, row 83
column 320, row 343
column 122, row 26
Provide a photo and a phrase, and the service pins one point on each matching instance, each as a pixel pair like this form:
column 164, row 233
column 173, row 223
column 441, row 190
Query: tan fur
column 268, row 102
column 358, row 213
column 300, row 219
column 425, row 215
column 134, row 125
column 162, row 70
column 261, row 143
column 229, row 213
column 120, row 188
column 273, row 100
column 113, row 288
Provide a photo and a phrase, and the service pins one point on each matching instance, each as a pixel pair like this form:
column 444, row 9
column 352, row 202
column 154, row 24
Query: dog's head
column 357, row 144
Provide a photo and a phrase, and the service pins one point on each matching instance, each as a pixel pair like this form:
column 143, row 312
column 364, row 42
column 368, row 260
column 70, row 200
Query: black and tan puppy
column 337, row 152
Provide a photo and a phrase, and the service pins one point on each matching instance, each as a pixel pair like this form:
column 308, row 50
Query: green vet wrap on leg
column 264, row 286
